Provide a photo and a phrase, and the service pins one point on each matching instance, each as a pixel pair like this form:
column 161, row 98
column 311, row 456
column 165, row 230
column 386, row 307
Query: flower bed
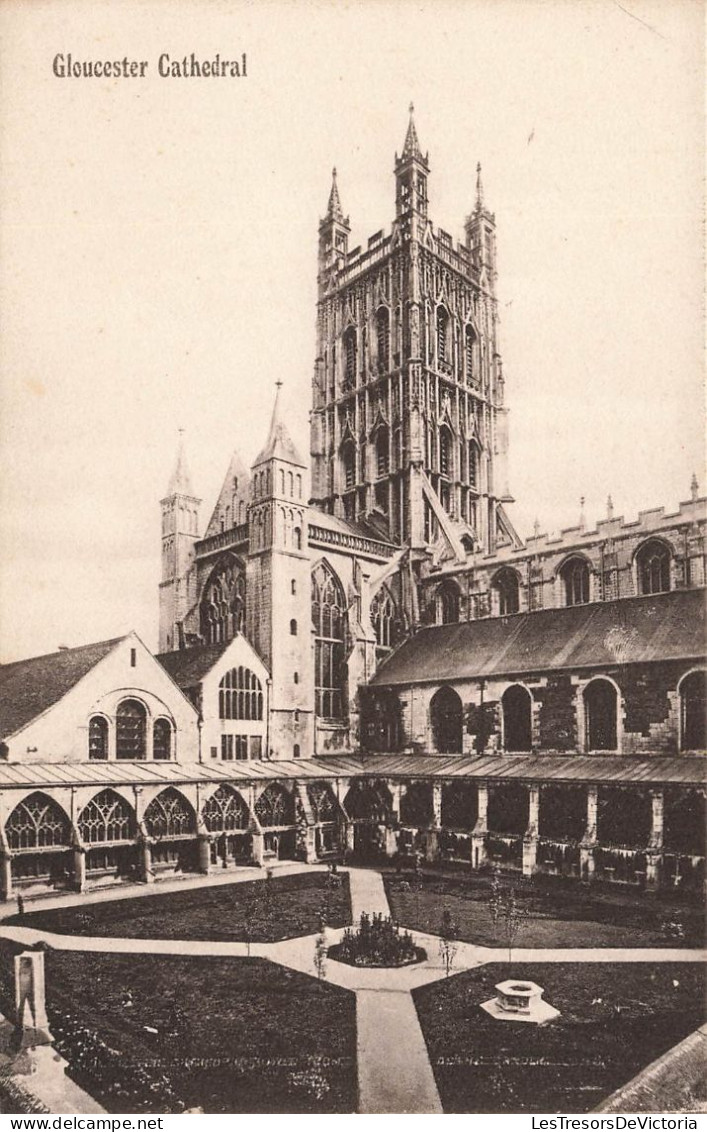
column 377, row 942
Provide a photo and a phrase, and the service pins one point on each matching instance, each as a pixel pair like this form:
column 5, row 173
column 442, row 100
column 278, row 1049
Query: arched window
column 348, row 456
column 169, row 815
column 448, row 595
column 350, row 351
column 37, row 823
column 97, row 737
column 223, row 603
column 383, row 339
column 505, row 583
column 297, row 538
column 291, row 484
column 382, row 452
column 446, row 719
column 386, row 620
column 329, row 619
column 653, row 566
column 470, row 354
column 293, row 586
column 162, row 739
column 107, row 817
column 445, row 453
column 131, row 730
column 442, row 335
column 293, row 628
column 275, row 806
column 416, row 806
column 575, row 579
column 240, row 695
column 369, row 801
column 601, row 713
column 225, row 811
column 693, row 712
column 516, row 703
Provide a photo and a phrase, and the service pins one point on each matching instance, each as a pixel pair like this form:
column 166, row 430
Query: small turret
column 180, row 531
column 334, row 231
column 480, row 230
column 411, row 173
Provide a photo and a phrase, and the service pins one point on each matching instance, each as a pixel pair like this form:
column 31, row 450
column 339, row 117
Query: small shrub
column 377, row 942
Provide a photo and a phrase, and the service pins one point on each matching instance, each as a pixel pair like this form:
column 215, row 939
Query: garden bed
column 561, row 913
column 615, row 1019
column 263, row 911
column 160, row 1034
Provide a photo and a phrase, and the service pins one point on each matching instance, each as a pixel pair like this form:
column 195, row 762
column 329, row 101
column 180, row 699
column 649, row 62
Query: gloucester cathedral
column 359, row 656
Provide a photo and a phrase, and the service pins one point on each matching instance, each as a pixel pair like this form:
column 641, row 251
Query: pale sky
column 158, row 255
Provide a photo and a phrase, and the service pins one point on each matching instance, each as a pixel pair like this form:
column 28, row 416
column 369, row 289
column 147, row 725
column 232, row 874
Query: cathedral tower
column 180, row 532
column 408, row 424
column 278, row 613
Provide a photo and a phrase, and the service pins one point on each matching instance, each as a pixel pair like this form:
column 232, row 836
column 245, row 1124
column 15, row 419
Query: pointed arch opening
column 383, row 339
column 575, row 580
column 222, row 609
column 382, row 451
column 506, row 588
column 446, row 718
column 443, row 336
column 108, row 828
column 517, row 709
column 169, row 816
column 131, row 730
column 448, row 603
column 653, row 567
column 693, row 711
column 387, row 621
column 38, row 836
column 330, row 624
column 601, row 715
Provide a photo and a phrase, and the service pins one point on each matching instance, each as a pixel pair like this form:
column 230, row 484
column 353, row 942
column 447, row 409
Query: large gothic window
column 169, row 815
column 470, row 354
column 653, row 563
column 131, row 730
column 37, row 823
column 449, row 603
column 575, row 579
column 98, row 737
column 275, row 807
column 223, row 603
column 225, row 811
column 382, row 452
column 505, row 583
column 329, row 620
column 386, row 620
column 350, row 358
column 240, row 695
column 107, row 817
column 383, row 339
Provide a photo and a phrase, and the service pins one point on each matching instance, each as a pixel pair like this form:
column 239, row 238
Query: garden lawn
column 270, row 910
column 561, row 914
column 161, row 1034
column 615, row 1019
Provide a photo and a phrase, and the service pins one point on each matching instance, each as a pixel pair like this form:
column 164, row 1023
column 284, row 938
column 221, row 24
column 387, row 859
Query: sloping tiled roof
column 29, row 687
column 669, row 770
column 187, row 667
column 667, row 626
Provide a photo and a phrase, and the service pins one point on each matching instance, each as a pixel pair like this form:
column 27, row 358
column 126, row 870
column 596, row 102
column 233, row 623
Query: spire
column 180, row 480
column 479, row 189
column 334, row 210
column 279, row 444
column 694, row 488
column 412, row 145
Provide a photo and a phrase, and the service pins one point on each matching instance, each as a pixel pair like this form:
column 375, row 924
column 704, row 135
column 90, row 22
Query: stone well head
column 518, row 995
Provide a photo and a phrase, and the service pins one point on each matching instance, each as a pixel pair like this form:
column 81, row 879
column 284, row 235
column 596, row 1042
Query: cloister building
column 374, row 662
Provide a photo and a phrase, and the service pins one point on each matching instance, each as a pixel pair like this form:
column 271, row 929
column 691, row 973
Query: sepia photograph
column 352, row 419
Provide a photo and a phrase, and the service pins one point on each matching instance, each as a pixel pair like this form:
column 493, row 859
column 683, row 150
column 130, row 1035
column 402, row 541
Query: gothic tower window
column 445, row 452
column 448, row 598
column 442, row 335
column 130, row 730
column 348, row 456
column 575, row 580
column 350, row 352
column 470, row 354
column 473, row 465
column 329, row 619
column 223, row 603
column 653, row 563
column 240, row 695
column 383, row 339
column 98, row 737
column 505, row 583
column 382, row 451
column 162, row 739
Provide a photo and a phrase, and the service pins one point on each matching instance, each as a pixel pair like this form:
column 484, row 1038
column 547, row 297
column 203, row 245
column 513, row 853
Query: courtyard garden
column 260, row 911
column 559, row 913
column 161, row 1034
column 615, row 1019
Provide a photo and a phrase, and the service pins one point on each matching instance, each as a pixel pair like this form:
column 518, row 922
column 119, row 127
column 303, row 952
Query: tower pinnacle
column 412, row 145
column 479, row 188
column 334, row 210
column 180, row 480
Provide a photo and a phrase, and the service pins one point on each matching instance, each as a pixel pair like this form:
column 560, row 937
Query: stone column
column 588, row 843
column 79, row 855
column 6, row 877
column 396, row 792
column 145, row 862
column 349, row 837
column 204, row 853
column 530, row 838
column 479, row 856
column 654, row 853
column 437, row 805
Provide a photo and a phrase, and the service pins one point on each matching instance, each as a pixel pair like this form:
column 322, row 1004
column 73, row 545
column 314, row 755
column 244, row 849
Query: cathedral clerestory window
column 329, row 620
column 223, row 603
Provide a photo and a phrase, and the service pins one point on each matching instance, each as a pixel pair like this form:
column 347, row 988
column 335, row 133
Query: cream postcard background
column 158, row 255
